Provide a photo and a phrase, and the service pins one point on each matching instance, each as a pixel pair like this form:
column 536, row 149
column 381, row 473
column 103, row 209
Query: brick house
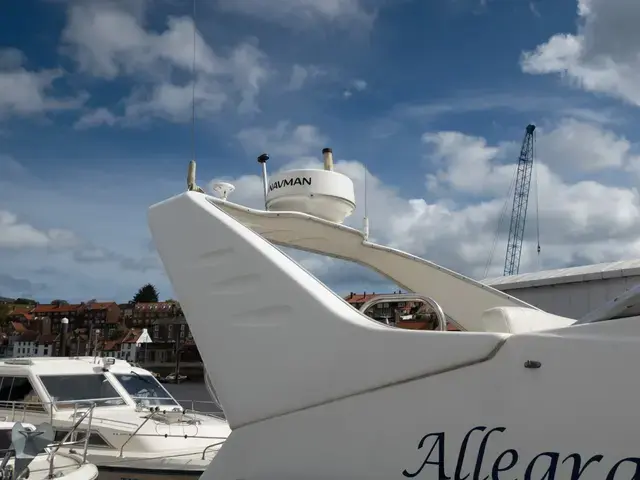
column 49, row 316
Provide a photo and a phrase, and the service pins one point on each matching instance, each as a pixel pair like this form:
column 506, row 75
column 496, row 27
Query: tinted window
column 95, row 440
column 67, row 390
column 5, row 440
column 145, row 389
column 19, row 389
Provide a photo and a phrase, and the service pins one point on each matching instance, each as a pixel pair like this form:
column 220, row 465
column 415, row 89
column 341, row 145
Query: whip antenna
column 191, row 170
column 366, row 208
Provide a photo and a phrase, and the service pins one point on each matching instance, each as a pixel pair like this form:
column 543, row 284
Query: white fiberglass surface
column 145, row 390
column 68, row 390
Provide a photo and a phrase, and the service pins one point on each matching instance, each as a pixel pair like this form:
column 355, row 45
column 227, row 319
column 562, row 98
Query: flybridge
column 288, row 182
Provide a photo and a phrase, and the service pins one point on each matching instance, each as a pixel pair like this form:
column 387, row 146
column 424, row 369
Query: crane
column 520, row 203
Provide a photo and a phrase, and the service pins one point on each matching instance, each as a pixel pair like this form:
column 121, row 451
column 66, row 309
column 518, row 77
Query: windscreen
column 145, row 389
column 68, row 390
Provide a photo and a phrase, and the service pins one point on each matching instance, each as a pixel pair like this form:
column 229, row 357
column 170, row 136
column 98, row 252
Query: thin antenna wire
column 535, row 172
column 193, row 87
column 503, row 214
column 366, row 197
column 366, row 205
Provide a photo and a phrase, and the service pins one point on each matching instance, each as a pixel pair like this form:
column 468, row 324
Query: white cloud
column 283, row 140
column 17, row 235
column 602, row 56
column 572, row 149
column 303, row 13
column 360, row 85
column 26, row 92
column 95, row 118
column 464, row 163
column 584, row 146
column 101, row 236
column 300, row 75
column 357, row 85
column 109, row 41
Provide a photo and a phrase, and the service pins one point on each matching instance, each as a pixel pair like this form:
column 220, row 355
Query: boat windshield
column 145, row 389
column 68, row 390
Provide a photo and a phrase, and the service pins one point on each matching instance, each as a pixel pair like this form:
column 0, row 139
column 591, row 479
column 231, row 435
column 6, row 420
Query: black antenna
column 262, row 160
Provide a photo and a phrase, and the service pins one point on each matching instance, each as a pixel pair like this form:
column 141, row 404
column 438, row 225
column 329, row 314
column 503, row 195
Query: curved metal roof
column 585, row 273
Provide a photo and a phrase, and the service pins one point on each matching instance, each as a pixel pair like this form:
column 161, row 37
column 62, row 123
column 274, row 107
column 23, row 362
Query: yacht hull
column 315, row 390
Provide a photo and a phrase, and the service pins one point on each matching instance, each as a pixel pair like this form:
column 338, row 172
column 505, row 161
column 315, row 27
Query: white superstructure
column 137, row 426
column 314, row 389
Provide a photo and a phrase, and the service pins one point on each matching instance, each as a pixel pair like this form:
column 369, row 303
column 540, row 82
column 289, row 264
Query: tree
column 5, row 310
column 147, row 294
column 25, row 301
column 59, row 302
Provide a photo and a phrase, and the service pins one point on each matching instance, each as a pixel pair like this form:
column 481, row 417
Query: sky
column 427, row 100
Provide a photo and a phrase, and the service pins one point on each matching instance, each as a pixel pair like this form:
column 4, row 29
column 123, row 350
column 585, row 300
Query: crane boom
column 520, row 203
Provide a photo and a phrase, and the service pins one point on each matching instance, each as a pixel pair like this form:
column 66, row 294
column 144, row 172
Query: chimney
column 327, row 155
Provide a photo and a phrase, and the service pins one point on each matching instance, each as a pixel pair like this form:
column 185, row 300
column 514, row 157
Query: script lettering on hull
column 543, row 466
column 288, row 182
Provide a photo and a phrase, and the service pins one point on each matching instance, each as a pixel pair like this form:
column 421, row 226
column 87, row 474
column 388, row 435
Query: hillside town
column 108, row 328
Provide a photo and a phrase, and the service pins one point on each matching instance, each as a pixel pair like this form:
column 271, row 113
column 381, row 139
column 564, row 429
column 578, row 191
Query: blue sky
column 431, row 98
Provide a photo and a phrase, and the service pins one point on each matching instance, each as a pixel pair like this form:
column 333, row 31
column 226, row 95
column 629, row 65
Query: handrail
column 218, row 411
column 217, row 415
column 210, row 446
column 57, row 445
column 134, row 434
column 19, row 409
column 409, row 297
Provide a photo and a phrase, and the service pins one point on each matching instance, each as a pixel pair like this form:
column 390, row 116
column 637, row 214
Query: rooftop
column 51, row 308
column 353, row 297
column 585, row 273
column 100, row 305
column 132, row 335
column 154, row 306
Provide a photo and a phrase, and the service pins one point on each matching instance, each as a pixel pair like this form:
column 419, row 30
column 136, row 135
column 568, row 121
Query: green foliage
column 5, row 310
column 25, row 301
column 147, row 294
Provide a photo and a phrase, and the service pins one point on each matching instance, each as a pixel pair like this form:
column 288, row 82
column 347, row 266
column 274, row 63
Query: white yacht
column 28, row 452
column 314, row 389
column 138, row 430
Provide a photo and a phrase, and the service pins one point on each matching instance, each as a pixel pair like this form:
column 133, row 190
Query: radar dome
column 322, row 193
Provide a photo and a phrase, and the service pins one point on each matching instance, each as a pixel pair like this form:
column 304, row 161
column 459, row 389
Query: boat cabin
column 43, row 389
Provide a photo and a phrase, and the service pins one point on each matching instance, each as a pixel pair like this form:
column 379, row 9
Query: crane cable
column 535, row 173
column 504, row 211
column 500, row 221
